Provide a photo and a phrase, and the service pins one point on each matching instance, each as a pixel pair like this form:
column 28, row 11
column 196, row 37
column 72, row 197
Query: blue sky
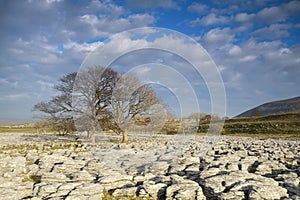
column 255, row 44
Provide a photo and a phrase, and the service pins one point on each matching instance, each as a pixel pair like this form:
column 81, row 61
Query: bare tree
column 104, row 99
column 59, row 109
column 134, row 107
column 92, row 92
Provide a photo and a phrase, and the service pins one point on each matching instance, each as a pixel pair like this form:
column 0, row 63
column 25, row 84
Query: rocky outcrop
column 233, row 168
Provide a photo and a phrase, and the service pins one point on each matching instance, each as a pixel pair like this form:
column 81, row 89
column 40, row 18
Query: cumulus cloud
column 53, row 1
column 99, row 26
column 254, row 45
column 145, row 4
column 293, row 7
column 255, row 64
column 83, row 21
column 217, row 36
column 244, row 17
column 235, row 50
column 274, row 31
column 171, row 50
column 210, row 19
column 273, row 14
column 247, row 58
column 32, row 31
column 198, row 8
column 253, row 51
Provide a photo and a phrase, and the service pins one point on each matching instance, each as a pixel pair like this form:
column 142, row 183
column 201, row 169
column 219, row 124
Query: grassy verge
column 22, row 129
column 7, row 129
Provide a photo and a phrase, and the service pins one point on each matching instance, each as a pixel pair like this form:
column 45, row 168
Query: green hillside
column 275, row 107
column 272, row 124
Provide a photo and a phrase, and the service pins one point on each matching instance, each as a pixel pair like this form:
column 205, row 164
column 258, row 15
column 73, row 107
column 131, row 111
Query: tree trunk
column 124, row 138
column 93, row 136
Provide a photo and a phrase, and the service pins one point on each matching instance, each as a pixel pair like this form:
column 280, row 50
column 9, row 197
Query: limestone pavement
column 154, row 167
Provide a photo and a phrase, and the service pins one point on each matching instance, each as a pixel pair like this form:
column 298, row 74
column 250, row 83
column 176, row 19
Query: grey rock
column 156, row 191
column 159, row 167
column 43, row 190
column 271, row 168
column 247, row 163
column 236, row 168
column 185, row 189
column 12, row 166
column 254, row 185
column 267, row 192
column 64, row 189
column 116, row 181
column 125, row 192
column 16, row 190
column 47, row 163
column 52, row 177
column 82, row 176
column 86, row 191
column 69, row 166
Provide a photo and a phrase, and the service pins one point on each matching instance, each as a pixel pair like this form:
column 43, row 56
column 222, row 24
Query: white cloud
column 45, row 86
column 271, row 15
column 104, row 8
column 31, row 33
column 274, row 31
column 53, row 1
column 251, row 66
column 6, row 83
column 58, row 22
column 173, row 51
column 145, row 4
column 82, row 48
column 209, row 20
column 198, row 8
column 89, row 19
column 247, row 58
column 218, row 36
column 285, row 51
column 100, row 26
column 21, row 52
column 293, row 7
column 244, row 17
column 140, row 20
column 13, row 97
column 254, row 53
column 235, row 50
column 142, row 71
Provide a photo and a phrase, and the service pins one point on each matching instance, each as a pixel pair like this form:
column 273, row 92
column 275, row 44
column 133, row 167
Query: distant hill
column 271, row 124
column 273, row 108
column 282, row 125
